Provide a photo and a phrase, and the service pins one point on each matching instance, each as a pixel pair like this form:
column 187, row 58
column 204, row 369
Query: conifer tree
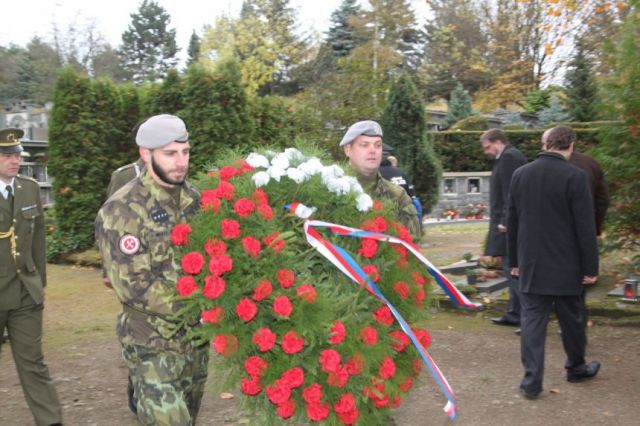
column 404, row 129
column 342, row 35
column 167, row 97
column 581, row 88
column 554, row 113
column 194, row 49
column 459, row 105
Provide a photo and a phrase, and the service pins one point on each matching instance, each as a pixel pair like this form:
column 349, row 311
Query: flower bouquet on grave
column 298, row 337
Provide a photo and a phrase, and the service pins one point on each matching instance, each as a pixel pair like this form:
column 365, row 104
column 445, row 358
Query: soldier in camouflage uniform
column 123, row 175
column 362, row 144
column 133, row 234
column 23, row 278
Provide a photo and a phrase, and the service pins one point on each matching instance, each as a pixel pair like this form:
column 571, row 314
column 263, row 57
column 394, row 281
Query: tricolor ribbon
column 345, row 263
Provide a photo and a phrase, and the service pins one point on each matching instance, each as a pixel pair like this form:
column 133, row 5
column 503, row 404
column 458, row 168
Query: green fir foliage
column 473, row 122
column 459, row 105
column 581, row 88
column 342, row 35
column 537, row 100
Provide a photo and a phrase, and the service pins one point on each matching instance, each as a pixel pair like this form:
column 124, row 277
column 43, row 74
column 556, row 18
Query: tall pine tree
column 342, row 35
column 404, row 129
column 581, row 88
column 149, row 47
column 459, row 105
column 194, row 49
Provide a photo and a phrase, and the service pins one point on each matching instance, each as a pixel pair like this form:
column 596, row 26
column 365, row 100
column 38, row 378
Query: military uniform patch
column 129, row 244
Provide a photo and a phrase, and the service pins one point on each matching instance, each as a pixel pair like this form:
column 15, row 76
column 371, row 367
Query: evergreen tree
column 342, row 35
column 216, row 112
column 581, row 88
column 148, row 47
column 459, row 105
column 619, row 149
column 37, row 71
column 167, row 97
column 404, row 129
column 10, row 89
column 194, row 49
column 555, row 113
column 537, row 100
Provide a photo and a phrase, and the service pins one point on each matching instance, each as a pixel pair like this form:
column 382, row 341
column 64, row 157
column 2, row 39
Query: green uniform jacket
column 29, row 265
column 407, row 214
column 121, row 176
column 133, row 233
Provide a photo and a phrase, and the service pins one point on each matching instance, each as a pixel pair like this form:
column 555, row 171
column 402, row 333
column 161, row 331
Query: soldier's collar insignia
column 160, row 216
column 129, row 244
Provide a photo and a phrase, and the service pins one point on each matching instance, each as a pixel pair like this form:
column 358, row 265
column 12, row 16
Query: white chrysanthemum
column 276, row 172
column 296, row 175
column 331, row 172
column 260, row 179
column 311, row 167
column 294, row 156
column 280, row 161
column 257, row 161
column 354, row 184
column 339, row 186
column 364, row 202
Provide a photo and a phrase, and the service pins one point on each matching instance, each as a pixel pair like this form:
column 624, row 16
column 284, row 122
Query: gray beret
column 367, row 128
column 161, row 130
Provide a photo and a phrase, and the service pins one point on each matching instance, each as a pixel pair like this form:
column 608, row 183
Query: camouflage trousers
column 168, row 385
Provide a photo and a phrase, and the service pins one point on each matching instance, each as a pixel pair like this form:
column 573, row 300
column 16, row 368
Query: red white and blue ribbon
column 345, row 263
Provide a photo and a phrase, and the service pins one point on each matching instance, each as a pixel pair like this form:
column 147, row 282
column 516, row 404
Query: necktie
column 10, row 196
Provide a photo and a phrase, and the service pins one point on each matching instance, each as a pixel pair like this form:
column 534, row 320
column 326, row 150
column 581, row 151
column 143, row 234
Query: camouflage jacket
column 123, row 175
column 133, row 233
column 407, row 214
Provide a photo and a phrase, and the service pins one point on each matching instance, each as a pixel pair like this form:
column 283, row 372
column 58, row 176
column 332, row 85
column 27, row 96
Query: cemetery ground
column 480, row 360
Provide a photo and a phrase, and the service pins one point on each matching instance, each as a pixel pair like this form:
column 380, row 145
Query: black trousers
column 536, row 310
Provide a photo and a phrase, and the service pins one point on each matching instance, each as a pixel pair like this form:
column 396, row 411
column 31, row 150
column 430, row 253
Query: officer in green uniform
column 133, row 234
column 362, row 144
column 23, row 278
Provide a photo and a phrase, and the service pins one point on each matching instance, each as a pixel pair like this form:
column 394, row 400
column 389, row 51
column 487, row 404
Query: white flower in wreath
column 296, row 175
column 260, row 179
column 276, row 172
column 340, row 186
column 364, row 202
column 331, row 172
column 311, row 167
column 257, row 161
column 294, row 156
column 280, row 161
column 354, row 184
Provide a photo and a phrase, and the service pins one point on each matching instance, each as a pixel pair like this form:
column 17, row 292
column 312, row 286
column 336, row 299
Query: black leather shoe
column 133, row 403
column 504, row 321
column 517, row 332
column 529, row 395
column 584, row 372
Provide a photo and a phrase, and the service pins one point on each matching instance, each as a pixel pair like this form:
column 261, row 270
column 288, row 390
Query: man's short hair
column 561, row 138
column 494, row 135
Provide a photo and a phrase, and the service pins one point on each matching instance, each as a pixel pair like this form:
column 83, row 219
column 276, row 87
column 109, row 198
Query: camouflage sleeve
column 408, row 216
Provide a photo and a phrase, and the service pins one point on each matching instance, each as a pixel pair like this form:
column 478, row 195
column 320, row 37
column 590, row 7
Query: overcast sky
column 24, row 19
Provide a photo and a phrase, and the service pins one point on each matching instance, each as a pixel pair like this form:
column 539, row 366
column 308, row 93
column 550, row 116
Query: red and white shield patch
column 129, row 244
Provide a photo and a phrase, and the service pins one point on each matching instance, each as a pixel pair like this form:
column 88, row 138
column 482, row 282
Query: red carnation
column 312, row 394
column 387, row 368
column 417, row 366
column 377, row 205
column 192, row 262
column 354, row 365
column 279, row 392
column 399, row 340
column 264, row 339
column 262, row 291
column 215, row 247
column 377, row 224
column 339, row 378
column 307, row 293
column 395, row 402
column 260, row 197
column 246, row 309
column 369, row 335
column 186, row 285
column 402, row 263
column 218, row 265
column 278, row 246
column 227, row 172
column 213, row 315
column 213, row 287
column 337, row 333
column 292, row 343
column 293, row 377
column 401, row 250
column 225, row 344
column 244, row 166
column 255, row 366
column 418, row 278
column 266, row 212
column 406, row 385
column 403, row 233
column 229, row 228
column 330, row 360
column 209, row 200
column 251, row 386
column 423, row 337
column 251, row 246
column 418, row 297
column 282, row 306
column 384, row 316
column 368, row 248
column 285, row 278
column 346, row 403
column 402, row 289
column 286, row 409
column 350, row 417
column 243, row 207
column 180, row 234
column 225, row 190
column 377, row 395
column 317, row 412
column 372, row 272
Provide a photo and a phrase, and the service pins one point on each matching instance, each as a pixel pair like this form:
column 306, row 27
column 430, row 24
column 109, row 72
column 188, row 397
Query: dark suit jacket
column 551, row 231
column 598, row 186
column 501, row 173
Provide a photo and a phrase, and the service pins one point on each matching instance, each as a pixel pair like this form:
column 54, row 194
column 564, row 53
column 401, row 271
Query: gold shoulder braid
column 10, row 234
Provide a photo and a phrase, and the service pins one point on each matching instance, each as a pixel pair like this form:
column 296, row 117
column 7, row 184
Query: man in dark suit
column 554, row 251
column 507, row 159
